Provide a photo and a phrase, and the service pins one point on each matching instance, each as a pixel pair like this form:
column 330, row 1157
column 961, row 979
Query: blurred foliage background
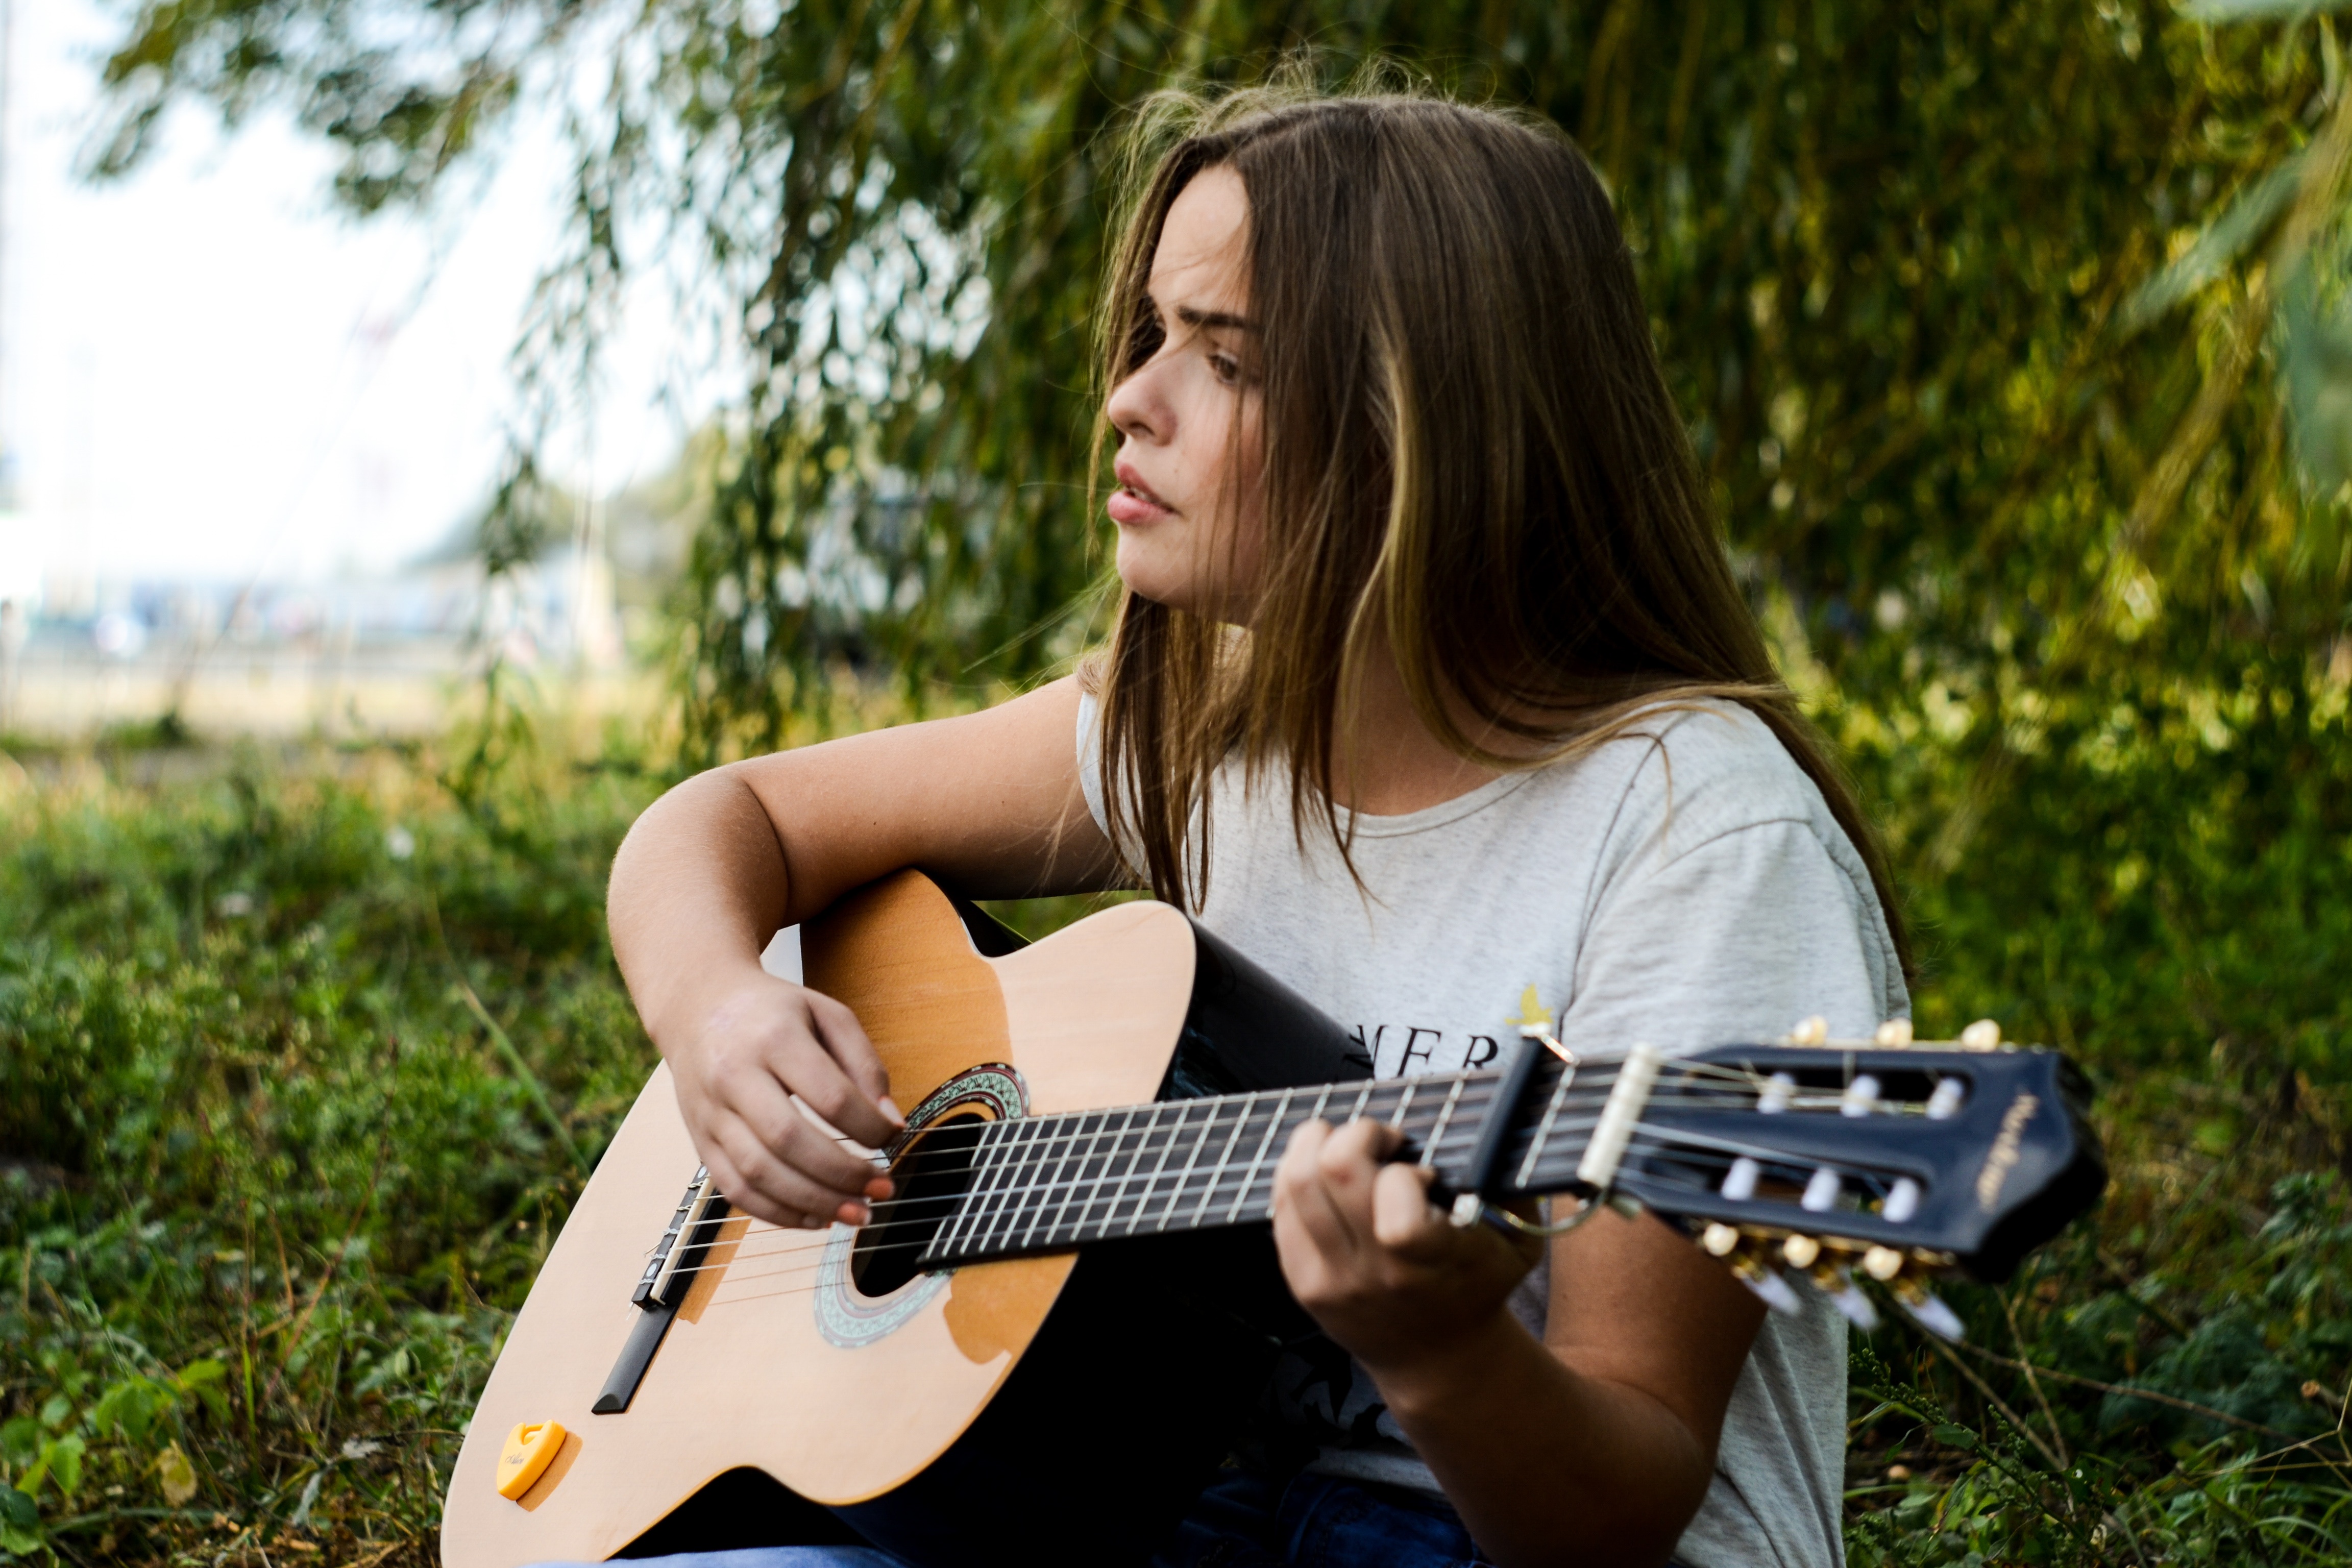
column 2012, row 340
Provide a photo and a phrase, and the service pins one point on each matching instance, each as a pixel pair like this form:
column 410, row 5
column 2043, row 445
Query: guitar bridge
column 692, row 1228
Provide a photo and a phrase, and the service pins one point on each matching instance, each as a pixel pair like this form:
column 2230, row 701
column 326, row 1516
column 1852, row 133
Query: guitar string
column 1648, row 1141
column 1213, row 1179
column 986, row 1154
column 1644, row 1142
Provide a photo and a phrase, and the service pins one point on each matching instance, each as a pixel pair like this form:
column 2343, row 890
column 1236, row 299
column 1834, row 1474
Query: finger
column 764, row 1103
column 744, row 1198
column 1304, row 1187
column 864, row 1109
column 789, row 1195
column 1347, row 1162
column 1403, row 1218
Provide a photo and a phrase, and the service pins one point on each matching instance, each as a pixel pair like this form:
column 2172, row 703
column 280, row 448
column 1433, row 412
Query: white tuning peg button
column 1739, row 1182
column 1930, row 1313
column 1882, row 1263
column 1822, row 1191
column 1902, row 1202
column 1771, row 1290
column 1860, row 1097
column 1944, row 1103
column 1778, row 1092
column 1801, row 1251
column 1895, row 1034
column 1854, row 1305
column 1984, row 1034
column 1810, row 1031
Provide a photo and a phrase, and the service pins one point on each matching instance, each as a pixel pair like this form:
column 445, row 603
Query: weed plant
column 302, row 1061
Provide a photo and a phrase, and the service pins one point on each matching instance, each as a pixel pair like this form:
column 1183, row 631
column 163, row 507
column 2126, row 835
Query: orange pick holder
column 529, row 1448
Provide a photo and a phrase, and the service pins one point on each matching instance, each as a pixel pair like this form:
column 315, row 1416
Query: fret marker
column 1606, row 1151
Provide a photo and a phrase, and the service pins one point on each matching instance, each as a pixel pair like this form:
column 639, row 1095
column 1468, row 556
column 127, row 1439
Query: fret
column 1089, row 1127
column 1225, row 1157
column 1127, row 1175
column 1010, row 1173
column 982, row 1158
column 1274, row 1121
column 1257, row 1160
column 1059, row 1179
column 1151, row 1183
column 1543, row 1129
column 1108, row 1160
column 1445, row 1116
column 1029, row 1193
column 1176, row 1193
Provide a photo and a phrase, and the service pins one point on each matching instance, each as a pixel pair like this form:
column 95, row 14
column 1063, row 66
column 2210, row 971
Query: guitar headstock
column 1894, row 1162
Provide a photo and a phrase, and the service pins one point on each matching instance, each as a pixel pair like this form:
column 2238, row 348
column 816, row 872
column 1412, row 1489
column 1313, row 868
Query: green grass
column 302, row 1059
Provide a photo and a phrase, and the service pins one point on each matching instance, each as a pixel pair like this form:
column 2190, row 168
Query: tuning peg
column 1822, row 1191
column 1810, row 1031
column 1833, row 1281
column 1739, row 1181
column 1860, row 1097
column 1734, row 1246
column 1902, row 1201
column 1770, row 1288
column 1984, row 1034
column 1894, row 1034
column 1778, row 1092
column 1928, row 1311
column 1944, row 1102
column 1882, row 1263
column 1801, row 1251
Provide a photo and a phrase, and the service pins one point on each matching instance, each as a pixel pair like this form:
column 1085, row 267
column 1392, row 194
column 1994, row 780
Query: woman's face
column 1191, row 448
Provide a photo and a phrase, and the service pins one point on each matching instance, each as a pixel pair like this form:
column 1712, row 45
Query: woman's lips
column 1131, row 504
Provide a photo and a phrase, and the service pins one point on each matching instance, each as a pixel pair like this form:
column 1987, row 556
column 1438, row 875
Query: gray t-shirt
column 1683, row 885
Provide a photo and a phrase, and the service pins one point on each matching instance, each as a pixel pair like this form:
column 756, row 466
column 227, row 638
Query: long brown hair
column 1470, row 451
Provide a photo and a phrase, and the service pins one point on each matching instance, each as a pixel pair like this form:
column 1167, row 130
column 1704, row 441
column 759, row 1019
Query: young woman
column 1431, row 684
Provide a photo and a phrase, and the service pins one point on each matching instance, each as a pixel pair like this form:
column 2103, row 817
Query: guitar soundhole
column 931, row 1173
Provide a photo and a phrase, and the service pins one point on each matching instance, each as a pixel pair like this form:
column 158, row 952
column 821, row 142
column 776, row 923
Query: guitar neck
column 1046, row 1184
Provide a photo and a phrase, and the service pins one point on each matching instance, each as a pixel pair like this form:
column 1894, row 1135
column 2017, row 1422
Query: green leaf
column 2226, row 11
column 20, row 1523
column 20, row 1441
column 2315, row 355
column 2247, row 218
column 178, row 1476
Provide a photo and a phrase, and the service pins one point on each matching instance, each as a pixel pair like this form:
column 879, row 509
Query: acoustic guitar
column 1044, row 1345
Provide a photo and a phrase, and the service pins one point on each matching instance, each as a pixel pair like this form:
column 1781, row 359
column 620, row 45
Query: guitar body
column 1038, row 1389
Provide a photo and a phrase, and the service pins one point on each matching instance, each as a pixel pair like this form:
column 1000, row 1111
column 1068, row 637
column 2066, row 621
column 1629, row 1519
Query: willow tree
column 2007, row 333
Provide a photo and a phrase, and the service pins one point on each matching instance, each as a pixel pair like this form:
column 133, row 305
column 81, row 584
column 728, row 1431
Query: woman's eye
column 1226, row 368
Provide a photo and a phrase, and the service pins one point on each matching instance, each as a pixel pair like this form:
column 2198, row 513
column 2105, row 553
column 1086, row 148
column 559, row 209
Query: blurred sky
column 210, row 373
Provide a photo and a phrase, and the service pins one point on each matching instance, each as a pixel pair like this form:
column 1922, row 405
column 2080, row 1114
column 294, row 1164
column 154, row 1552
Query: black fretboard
column 1044, row 1183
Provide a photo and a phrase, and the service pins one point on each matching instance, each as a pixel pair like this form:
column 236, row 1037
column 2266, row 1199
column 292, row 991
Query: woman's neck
column 1388, row 762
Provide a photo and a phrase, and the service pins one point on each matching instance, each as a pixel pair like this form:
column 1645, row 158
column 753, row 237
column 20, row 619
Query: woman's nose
column 1137, row 410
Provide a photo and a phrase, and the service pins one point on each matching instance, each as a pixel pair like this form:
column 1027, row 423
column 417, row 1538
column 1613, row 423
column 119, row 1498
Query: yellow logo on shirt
column 1533, row 1016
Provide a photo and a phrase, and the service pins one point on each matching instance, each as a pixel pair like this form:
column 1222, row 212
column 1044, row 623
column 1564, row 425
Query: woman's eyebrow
column 1198, row 318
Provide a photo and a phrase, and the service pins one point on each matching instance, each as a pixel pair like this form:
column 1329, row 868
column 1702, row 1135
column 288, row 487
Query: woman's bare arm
column 1596, row 1447
column 989, row 801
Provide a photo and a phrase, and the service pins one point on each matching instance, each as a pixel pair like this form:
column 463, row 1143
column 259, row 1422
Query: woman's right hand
column 761, row 1041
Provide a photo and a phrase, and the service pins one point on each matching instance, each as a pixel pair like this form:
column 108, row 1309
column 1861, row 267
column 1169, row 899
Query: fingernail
column 853, row 1213
column 890, row 1108
column 880, row 1187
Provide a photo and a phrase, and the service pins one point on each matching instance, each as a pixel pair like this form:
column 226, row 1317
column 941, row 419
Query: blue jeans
column 1242, row 1520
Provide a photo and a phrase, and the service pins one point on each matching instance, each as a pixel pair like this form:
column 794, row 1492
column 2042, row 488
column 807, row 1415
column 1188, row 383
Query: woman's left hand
column 1383, row 1270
